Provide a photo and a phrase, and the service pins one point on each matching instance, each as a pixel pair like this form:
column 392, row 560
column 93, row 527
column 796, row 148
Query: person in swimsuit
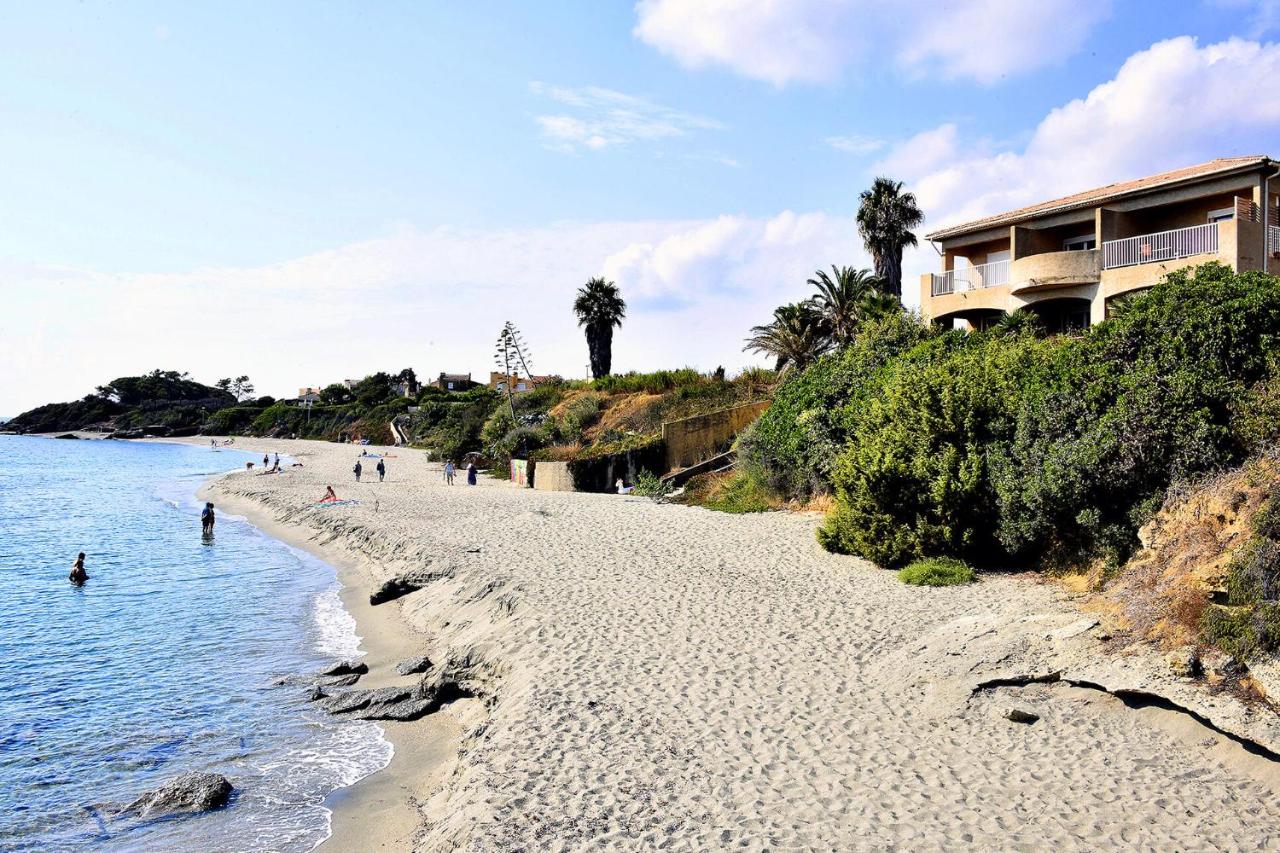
column 329, row 495
column 78, row 575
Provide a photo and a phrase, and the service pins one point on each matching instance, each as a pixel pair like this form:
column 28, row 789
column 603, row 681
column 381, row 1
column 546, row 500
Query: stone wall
column 692, row 440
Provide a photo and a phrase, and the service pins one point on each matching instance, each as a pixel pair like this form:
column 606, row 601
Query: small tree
column 242, row 388
column 335, row 394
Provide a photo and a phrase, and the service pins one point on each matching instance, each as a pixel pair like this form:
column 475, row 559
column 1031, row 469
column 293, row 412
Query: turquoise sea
column 180, row 653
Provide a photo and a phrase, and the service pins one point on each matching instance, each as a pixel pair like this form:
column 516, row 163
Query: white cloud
column 433, row 300
column 855, row 144
column 815, row 41
column 603, row 118
column 1174, row 104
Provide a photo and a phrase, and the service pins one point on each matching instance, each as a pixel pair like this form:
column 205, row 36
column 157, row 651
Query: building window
column 450, row 386
column 1080, row 244
column 1222, row 215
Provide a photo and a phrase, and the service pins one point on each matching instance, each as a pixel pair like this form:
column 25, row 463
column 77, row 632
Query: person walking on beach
column 449, row 471
column 78, row 575
column 471, row 473
column 382, row 470
column 358, row 469
column 206, row 519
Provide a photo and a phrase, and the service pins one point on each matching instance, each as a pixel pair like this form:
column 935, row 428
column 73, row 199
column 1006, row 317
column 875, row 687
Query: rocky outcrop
column 414, row 666
column 347, row 667
column 190, row 793
column 394, row 703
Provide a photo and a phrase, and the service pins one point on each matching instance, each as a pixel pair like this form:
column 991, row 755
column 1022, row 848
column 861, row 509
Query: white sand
column 660, row 676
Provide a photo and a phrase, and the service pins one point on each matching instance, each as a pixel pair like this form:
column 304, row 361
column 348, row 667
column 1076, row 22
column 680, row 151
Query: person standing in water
column 265, row 460
column 382, row 470
column 206, row 519
column 357, row 470
column 78, row 575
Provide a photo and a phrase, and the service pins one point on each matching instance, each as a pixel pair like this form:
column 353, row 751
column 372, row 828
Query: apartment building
column 1072, row 258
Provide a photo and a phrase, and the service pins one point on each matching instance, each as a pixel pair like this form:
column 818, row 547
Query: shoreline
column 652, row 672
column 379, row 810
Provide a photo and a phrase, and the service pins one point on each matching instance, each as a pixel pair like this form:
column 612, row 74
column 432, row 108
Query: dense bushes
column 1250, row 621
column 1003, row 445
column 795, row 442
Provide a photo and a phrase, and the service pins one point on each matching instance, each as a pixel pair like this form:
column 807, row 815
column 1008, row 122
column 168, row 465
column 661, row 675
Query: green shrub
column 913, row 480
column 815, row 411
column 742, row 491
column 1119, row 413
column 649, row 485
column 658, row 382
column 937, row 571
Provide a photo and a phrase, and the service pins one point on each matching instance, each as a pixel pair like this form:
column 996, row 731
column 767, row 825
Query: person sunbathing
column 329, row 495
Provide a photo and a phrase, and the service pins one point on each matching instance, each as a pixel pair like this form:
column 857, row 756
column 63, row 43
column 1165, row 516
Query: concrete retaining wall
column 552, row 476
column 700, row 437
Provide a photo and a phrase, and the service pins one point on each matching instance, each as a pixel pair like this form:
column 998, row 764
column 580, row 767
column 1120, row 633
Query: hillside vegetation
column 1009, row 447
column 163, row 401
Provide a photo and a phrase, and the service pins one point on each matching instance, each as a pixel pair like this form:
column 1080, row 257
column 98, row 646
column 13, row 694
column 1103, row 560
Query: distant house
column 454, row 382
column 402, row 389
column 351, row 384
column 517, row 383
column 307, row 395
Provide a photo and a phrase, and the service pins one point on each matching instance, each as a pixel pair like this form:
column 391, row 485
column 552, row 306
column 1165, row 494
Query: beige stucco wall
column 1055, row 269
column 691, row 440
column 552, row 477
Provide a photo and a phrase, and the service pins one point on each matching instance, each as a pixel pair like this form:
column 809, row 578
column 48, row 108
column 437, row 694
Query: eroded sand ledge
column 654, row 674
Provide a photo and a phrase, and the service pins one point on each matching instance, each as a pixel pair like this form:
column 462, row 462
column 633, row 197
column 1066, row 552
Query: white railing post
column 1163, row 246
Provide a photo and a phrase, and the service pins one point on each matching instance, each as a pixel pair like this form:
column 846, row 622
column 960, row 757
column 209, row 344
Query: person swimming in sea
column 78, row 575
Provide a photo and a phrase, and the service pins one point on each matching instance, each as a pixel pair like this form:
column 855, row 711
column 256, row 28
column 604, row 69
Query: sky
column 306, row 192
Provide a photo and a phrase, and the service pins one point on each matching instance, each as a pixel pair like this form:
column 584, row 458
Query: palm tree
column 846, row 299
column 795, row 338
column 600, row 308
column 886, row 216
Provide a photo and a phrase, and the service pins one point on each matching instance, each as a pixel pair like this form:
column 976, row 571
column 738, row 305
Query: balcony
column 1164, row 246
column 1273, row 240
column 1056, row 270
column 971, row 278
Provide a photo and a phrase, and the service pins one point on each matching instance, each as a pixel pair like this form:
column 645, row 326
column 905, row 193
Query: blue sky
column 303, row 192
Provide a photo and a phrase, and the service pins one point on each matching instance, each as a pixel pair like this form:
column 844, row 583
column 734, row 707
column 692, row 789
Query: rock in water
column 189, row 793
column 413, row 666
column 1018, row 715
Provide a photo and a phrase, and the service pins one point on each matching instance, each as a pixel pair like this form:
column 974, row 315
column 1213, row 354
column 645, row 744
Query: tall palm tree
column 846, row 299
column 886, row 216
column 795, row 338
column 600, row 308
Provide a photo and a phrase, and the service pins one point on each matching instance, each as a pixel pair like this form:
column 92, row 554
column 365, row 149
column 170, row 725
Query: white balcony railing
column 1273, row 240
column 971, row 278
column 1165, row 246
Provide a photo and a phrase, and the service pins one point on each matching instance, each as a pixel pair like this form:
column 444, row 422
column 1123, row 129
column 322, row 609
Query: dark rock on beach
column 347, row 667
column 1017, row 715
column 394, row 703
column 188, row 794
column 413, row 666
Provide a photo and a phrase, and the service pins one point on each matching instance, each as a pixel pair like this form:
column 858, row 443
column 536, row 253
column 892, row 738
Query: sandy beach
column 651, row 676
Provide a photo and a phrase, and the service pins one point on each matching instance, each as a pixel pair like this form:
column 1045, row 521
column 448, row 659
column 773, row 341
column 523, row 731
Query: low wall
column 552, row 476
column 691, row 440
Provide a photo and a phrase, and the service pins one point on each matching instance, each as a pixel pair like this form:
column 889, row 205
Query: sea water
column 180, row 653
